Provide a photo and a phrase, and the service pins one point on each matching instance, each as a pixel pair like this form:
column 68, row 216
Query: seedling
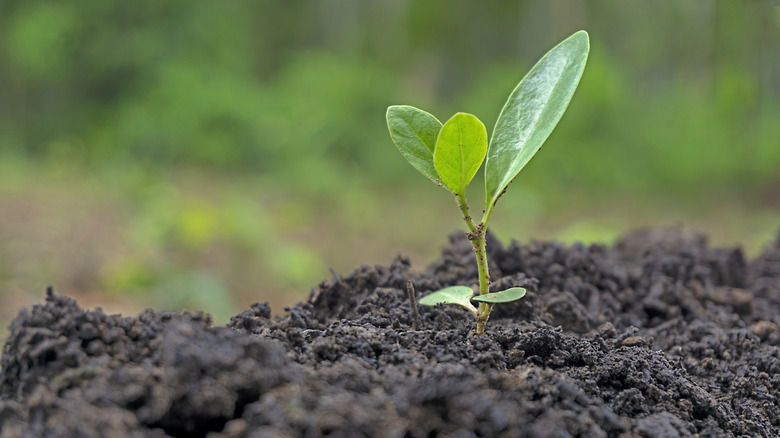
column 450, row 154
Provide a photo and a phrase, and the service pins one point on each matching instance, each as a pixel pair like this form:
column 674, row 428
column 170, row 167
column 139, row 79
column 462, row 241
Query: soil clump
column 660, row 335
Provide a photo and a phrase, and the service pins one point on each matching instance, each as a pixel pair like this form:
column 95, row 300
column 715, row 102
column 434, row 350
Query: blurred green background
column 211, row 154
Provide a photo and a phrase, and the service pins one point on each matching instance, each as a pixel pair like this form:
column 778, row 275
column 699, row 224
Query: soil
column 659, row 335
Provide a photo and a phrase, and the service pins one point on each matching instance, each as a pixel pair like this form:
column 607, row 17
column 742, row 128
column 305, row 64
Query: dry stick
column 413, row 302
column 335, row 275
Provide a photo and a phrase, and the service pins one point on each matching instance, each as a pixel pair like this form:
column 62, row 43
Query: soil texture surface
column 660, row 335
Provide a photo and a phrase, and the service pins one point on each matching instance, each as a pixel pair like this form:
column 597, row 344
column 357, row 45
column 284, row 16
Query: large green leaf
column 532, row 111
column 460, row 150
column 505, row 296
column 414, row 132
column 460, row 295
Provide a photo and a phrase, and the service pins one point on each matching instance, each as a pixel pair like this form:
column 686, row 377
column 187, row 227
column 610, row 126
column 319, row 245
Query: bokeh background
column 207, row 155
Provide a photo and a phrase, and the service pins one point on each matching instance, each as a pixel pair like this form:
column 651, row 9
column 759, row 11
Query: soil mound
column 659, row 335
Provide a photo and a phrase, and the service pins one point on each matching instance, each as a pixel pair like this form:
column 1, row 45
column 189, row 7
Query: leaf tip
column 584, row 36
column 390, row 109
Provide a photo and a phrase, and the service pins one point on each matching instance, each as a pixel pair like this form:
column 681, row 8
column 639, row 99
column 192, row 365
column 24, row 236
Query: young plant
column 450, row 154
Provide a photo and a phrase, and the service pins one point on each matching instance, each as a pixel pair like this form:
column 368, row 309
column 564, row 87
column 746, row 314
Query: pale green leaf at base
column 459, row 295
column 505, row 296
column 414, row 132
column 460, row 150
column 531, row 112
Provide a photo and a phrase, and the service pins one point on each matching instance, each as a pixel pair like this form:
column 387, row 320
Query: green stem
column 480, row 249
column 464, row 208
column 477, row 238
column 486, row 214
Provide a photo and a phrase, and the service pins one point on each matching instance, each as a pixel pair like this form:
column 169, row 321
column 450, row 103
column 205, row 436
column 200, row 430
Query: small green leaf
column 505, row 296
column 460, row 295
column 460, row 150
column 414, row 132
column 532, row 111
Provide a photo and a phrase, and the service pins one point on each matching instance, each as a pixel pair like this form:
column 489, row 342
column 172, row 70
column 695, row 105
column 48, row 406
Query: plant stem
column 477, row 238
column 464, row 208
column 480, row 249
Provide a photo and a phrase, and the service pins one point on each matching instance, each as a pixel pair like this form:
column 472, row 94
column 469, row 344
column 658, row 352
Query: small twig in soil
column 335, row 275
column 413, row 303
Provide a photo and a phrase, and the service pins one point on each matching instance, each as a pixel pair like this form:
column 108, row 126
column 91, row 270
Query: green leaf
column 460, row 295
column 532, row 111
column 505, row 296
column 414, row 132
column 460, row 150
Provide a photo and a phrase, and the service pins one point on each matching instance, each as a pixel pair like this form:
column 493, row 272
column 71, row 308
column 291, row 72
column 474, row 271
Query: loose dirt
column 657, row 336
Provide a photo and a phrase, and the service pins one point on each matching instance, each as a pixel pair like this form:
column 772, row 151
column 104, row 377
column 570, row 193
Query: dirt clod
column 659, row 335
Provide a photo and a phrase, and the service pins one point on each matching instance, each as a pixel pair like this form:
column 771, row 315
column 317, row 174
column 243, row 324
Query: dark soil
column 658, row 336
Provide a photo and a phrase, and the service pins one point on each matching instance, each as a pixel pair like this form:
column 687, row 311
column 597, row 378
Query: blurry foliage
column 679, row 100
column 670, row 93
column 179, row 237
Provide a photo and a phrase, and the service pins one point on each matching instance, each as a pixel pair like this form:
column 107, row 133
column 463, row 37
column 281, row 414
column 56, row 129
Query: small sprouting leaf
column 505, row 296
column 414, row 132
column 460, row 295
column 532, row 111
column 460, row 150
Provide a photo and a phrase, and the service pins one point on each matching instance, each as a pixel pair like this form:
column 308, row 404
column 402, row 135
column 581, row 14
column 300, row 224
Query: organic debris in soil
column 659, row 335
